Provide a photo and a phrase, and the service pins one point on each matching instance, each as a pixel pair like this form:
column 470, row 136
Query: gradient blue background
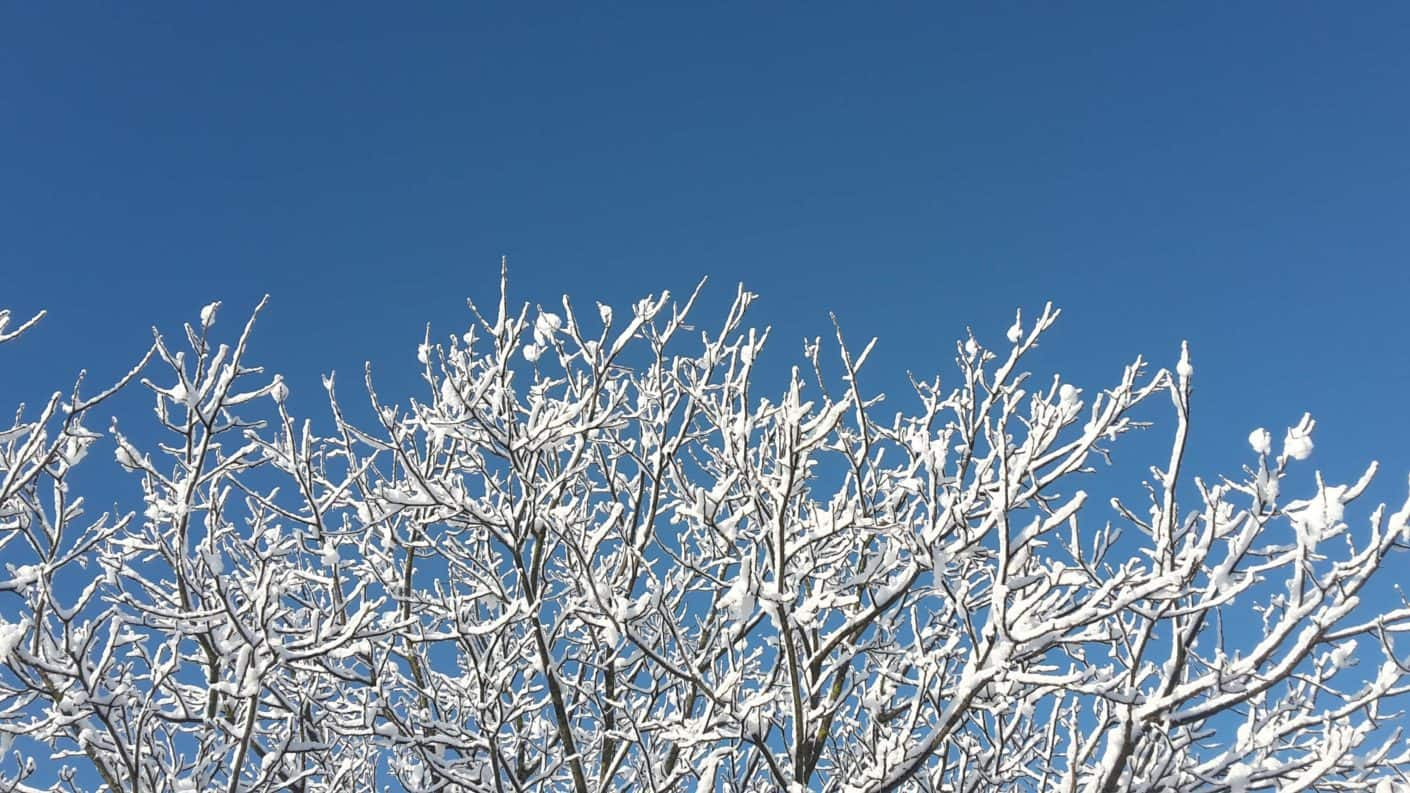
column 1235, row 174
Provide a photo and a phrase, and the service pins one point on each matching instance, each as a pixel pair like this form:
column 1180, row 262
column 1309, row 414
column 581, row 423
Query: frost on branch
column 591, row 556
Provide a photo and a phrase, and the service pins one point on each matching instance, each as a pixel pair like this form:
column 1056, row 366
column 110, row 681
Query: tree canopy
column 593, row 556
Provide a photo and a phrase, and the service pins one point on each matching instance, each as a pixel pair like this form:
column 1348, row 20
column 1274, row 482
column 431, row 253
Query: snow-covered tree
column 594, row 557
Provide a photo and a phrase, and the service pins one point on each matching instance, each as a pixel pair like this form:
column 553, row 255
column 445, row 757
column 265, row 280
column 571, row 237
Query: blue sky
column 1235, row 174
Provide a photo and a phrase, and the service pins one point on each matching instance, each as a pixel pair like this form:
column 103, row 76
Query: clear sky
column 1233, row 173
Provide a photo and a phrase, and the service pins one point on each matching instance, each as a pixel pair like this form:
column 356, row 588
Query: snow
column 24, row 576
column 208, row 314
column 1399, row 521
column 1184, row 368
column 1344, row 654
column 1297, row 444
column 75, row 449
column 1321, row 513
column 1220, row 579
column 1388, row 675
column 917, row 441
column 450, row 396
column 11, row 634
column 1268, row 486
column 545, row 327
column 633, row 593
column 1261, row 440
column 1238, row 777
column 1016, row 329
column 707, row 771
column 738, row 600
column 180, row 394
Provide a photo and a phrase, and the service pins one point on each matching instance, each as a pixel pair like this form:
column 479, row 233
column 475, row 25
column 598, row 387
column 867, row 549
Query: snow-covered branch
column 595, row 555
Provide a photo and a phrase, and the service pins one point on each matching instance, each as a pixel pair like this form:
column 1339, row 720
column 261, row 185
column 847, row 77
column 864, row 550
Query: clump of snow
column 1221, row 579
column 1238, row 777
column 738, row 600
column 1400, row 521
column 180, row 394
column 1268, row 486
column 1388, row 675
column 1016, row 329
column 545, row 327
column 1344, row 654
column 917, row 440
column 25, row 575
column 1261, row 440
column 11, row 634
column 208, row 314
column 1324, row 511
column 879, row 694
column 1297, row 444
column 1184, row 368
